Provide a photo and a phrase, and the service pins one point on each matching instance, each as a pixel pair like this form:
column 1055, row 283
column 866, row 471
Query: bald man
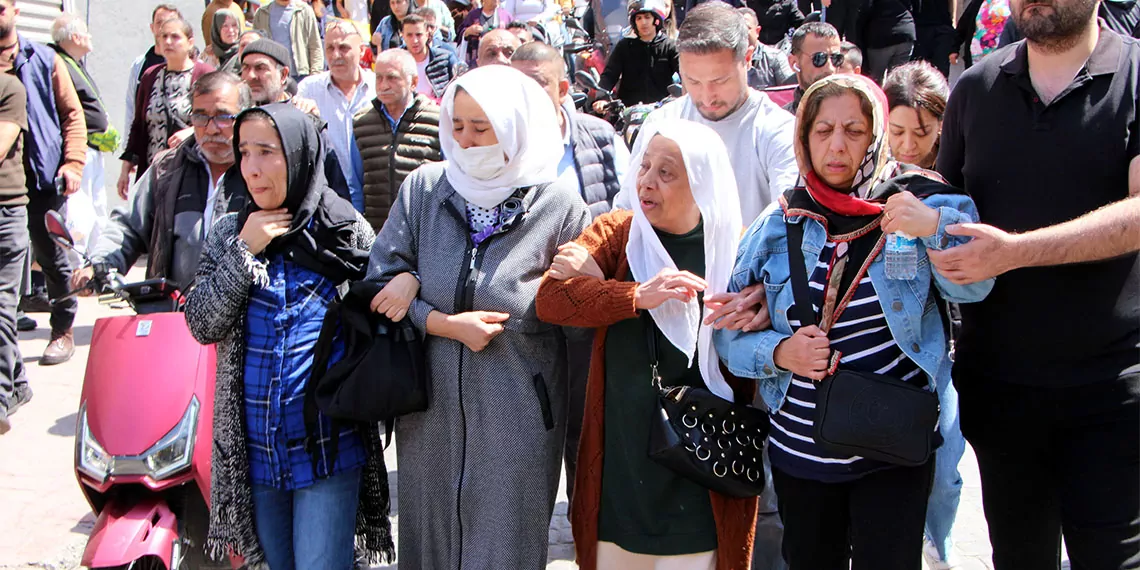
column 496, row 48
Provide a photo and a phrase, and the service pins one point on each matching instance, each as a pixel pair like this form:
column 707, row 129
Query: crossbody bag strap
column 800, row 289
column 652, row 344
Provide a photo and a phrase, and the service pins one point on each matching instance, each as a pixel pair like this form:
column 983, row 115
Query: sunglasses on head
column 819, row 59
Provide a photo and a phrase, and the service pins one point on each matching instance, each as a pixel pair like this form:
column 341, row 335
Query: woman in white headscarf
column 479, row 469
column 675, row 248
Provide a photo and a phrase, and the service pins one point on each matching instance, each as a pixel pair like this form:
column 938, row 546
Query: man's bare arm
column 1111, row 231
column 9, row 132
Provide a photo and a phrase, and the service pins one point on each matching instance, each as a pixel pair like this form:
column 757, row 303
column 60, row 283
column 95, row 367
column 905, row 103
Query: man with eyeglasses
column 178, row 198
column 817, row 52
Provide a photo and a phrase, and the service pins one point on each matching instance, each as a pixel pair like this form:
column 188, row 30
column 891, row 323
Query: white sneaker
column 935, row 562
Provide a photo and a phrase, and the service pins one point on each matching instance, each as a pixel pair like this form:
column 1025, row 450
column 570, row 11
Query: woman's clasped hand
column 263, row 226
column 905, row 213
column 394, row 299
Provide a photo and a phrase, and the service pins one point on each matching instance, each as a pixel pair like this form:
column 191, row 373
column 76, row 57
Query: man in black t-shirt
column 1045, row 136
column 14, row 241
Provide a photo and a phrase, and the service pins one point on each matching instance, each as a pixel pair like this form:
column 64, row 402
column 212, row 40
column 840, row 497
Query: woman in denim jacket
column 841, row 511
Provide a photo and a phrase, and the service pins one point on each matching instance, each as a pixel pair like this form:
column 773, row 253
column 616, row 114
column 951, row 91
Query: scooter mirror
column 585, row 79
column 57, row 229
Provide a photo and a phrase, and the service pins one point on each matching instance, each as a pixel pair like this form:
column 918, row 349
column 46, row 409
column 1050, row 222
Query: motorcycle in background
column 144, row 433
column 626, row 120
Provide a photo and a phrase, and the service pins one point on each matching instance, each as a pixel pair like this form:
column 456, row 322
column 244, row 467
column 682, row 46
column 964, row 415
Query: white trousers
column 87, row 209
column 614, row 557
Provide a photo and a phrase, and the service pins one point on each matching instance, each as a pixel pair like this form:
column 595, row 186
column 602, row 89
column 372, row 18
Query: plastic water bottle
column 901, row 252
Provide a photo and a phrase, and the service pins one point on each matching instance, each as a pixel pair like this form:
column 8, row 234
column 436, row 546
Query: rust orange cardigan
column 592, row 303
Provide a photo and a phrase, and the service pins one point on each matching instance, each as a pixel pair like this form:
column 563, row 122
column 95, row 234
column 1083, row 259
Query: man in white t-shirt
column 435, row 67
column 714, row 60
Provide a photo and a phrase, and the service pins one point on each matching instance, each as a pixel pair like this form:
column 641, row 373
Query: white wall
column 120, row 32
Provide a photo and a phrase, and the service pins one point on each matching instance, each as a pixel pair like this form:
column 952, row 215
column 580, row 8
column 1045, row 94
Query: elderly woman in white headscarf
column 675, row 248
column 479, row 469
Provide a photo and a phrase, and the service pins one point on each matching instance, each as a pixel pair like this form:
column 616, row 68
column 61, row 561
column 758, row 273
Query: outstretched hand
column 990, row 253
column 668, row 284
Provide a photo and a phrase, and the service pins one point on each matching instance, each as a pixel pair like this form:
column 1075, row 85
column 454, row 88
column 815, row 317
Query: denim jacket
column 913, row 318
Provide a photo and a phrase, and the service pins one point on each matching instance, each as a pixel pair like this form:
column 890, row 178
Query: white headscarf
column 714, row 190
column 525, row 123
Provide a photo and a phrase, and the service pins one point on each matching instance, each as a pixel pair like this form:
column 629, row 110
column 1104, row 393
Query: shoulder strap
column 653, row 347
column 798, row 266
column 321, row 353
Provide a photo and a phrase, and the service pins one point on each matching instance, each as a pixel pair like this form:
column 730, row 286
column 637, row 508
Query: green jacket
column 308, row 51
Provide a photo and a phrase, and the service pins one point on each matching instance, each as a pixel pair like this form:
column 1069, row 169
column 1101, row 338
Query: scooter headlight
column 93, row 460
column 174, row 451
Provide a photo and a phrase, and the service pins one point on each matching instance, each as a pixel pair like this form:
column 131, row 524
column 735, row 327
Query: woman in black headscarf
column 224, row 35
column 264, row 283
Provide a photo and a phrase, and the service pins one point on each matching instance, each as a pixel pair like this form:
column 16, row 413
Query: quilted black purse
column 713, row 442
column 862, row 413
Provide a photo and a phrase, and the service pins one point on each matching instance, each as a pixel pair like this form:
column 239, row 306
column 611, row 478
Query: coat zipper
column 462, row 304
column 464, row 301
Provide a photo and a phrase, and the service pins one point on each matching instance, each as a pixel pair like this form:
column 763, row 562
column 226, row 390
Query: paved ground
column 46, row 519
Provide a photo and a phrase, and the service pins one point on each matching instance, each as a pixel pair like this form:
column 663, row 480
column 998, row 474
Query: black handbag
column 862, row 413
column 382, row 374
column 704, row 438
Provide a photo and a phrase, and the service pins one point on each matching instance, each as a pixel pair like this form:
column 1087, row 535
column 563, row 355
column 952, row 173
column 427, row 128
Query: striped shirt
column 283, row 322
column 866, row 344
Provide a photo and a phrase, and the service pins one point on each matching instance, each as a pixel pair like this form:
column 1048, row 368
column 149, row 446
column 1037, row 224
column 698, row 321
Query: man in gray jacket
column 597, row 159
column 594, row 153
column 177, row 199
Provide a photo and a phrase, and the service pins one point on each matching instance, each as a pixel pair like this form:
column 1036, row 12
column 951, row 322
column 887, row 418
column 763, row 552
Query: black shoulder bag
column 862, row 413
column 382, row 375
column 704, row 438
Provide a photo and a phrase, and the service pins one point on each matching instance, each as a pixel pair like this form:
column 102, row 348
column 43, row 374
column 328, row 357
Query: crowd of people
column 433, row 150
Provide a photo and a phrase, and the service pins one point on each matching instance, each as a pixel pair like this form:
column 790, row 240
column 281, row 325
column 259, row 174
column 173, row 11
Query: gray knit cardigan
column 215, row 313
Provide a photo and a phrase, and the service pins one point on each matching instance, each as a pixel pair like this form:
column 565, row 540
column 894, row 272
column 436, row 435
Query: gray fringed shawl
column 215, row 313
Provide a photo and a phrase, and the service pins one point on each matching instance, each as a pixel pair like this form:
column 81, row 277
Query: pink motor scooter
column 144, row 433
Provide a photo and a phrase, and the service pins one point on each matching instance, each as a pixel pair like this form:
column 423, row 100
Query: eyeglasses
column 222, row 121
column 819, row 59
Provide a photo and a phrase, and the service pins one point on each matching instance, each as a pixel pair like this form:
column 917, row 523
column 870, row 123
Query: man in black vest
column 72, row 43
column 179, row 197
column 597, row 158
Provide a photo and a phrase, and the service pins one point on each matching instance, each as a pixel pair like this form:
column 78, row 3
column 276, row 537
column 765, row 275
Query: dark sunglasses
column 222, row 121
column 819, row 58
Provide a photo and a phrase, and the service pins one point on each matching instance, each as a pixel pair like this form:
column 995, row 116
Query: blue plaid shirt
column 283, row 322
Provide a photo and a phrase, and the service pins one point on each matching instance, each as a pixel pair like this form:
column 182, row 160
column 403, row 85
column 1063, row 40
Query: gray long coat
column 479, row 469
